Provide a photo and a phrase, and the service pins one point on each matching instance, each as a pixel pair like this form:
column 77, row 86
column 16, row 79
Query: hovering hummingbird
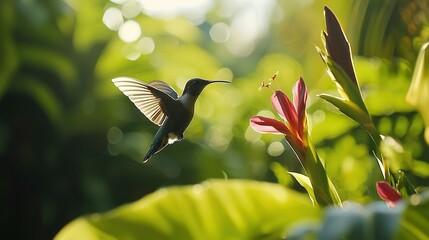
column 160, row 103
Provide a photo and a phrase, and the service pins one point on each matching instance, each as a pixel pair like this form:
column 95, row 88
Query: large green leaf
column 217, row 209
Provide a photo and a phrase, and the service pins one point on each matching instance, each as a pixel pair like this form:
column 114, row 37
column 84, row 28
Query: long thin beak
column 218, row 81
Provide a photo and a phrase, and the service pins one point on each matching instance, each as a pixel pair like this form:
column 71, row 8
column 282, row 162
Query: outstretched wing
column 153, row 100
column 163, row 86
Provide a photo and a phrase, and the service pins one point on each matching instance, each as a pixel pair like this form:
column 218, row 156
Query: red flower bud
column 388, row 193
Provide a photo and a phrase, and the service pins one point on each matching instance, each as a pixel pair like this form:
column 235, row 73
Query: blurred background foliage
column 72, row 144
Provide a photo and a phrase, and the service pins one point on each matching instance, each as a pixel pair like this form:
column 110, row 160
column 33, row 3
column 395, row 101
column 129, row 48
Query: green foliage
column 322, row 187
column 418, row 93
column 407, row 221
column 349, row 108
column 70, row 143
column 414, row 220
column 352, row 222
column 240, row 209
column 216, row 209
column 304, row 181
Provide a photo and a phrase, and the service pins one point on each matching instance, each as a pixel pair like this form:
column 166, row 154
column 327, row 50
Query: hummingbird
column 160, row 103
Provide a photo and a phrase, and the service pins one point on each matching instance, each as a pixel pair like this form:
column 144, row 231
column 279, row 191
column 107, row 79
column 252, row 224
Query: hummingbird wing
column 163, row 86
column 151, row 101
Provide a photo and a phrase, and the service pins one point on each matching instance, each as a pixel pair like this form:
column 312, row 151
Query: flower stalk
column 294, row 129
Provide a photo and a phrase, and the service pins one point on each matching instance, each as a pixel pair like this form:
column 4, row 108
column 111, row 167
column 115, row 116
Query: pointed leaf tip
column 337, row 44
column 325, row 7
column 327, row 11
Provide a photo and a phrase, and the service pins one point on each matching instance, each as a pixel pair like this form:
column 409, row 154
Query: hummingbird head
column 195, row 86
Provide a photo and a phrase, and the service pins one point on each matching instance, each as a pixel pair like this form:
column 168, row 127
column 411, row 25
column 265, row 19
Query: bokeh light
column 275, row 149
column 146, row 45
column 131, row 9
column 112, row 18
column 130, row 31
column 219, row 32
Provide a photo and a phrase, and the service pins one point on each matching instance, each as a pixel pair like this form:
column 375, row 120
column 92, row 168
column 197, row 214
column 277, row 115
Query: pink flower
column 388, row 193
column 293, row 115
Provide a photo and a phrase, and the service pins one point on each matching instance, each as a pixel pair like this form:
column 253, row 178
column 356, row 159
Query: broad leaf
column 217, row 209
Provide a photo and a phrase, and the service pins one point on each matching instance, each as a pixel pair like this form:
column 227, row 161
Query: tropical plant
column 231, row 209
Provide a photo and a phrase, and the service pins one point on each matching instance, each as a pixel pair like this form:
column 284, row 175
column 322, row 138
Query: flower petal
column 299, row 96
column 285, row 108
column 299, row 101
column 268, row 125
column 388, row 193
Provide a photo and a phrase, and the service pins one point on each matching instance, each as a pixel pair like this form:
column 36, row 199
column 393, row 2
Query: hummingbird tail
column 147, row 156
column 155, row 147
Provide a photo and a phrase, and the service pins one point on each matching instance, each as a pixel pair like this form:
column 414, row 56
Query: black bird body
column 160, row 104
column 171, row 130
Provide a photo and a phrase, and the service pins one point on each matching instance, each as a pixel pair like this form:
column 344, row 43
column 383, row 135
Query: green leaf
column 418, row 93
column 334, row 193
column 347, row 88
column 217, row 209
column 415, row 218
column 337, row 45
column 324, row 191
column 304, row 181
column 354, row 112
column 339, row 60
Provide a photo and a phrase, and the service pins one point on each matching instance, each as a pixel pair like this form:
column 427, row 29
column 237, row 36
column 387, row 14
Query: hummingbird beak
column 218, row 81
